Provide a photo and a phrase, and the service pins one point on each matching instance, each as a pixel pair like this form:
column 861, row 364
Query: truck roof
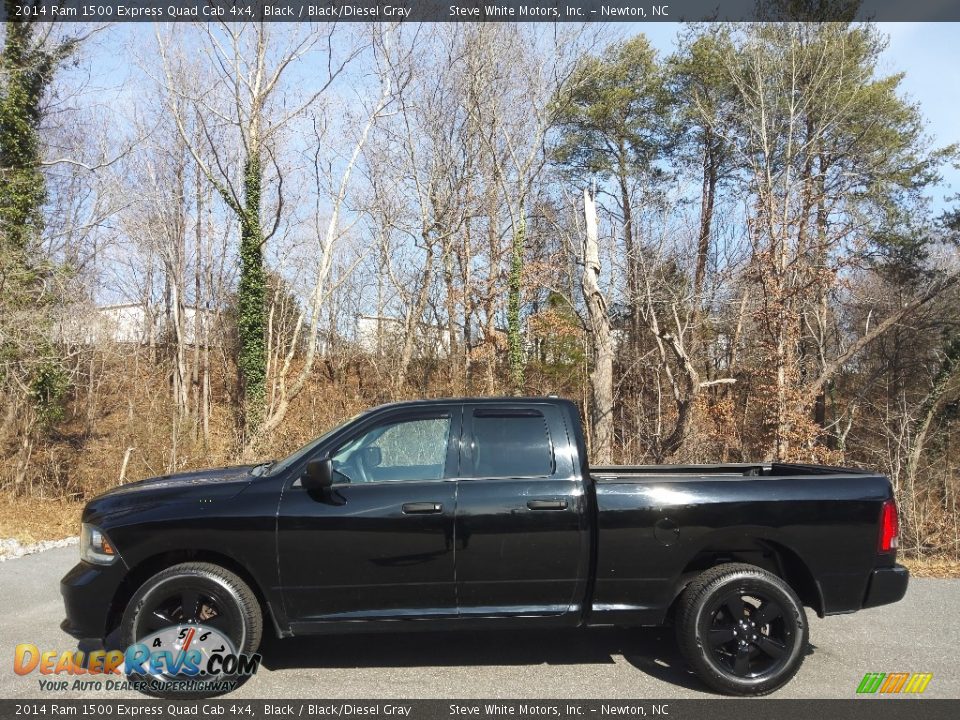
column 475, row 401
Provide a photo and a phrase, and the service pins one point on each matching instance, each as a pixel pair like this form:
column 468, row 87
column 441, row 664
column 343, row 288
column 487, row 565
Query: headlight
column 94, row 546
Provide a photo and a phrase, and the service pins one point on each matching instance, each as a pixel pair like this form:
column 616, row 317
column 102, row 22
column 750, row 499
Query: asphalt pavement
column 919, row 634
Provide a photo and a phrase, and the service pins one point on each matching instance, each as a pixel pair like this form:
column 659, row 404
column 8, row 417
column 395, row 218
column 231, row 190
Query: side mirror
column 318, row 475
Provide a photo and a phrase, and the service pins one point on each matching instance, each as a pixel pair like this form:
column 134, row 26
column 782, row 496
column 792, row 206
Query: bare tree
column 328, row 246
column 249, row 62
column 601, row 377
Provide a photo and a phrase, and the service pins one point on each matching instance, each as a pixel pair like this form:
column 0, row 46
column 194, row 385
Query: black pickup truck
column 470, row 513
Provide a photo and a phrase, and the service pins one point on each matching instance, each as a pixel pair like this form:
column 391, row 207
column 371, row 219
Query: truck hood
column 214, row 484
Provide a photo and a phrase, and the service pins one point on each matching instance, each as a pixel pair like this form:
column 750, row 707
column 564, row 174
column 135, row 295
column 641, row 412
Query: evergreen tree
column 611, row 120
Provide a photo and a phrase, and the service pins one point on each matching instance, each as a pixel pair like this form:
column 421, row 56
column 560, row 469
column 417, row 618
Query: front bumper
column 887, row 585
column 88, row 592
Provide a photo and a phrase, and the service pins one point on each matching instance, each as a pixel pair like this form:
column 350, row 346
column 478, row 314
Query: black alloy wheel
column 742, row 629
column 194, row 594
column 189, row 602
column 749, row 634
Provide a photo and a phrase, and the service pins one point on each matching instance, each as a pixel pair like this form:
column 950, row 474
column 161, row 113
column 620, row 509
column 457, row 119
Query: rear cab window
column 509, row 442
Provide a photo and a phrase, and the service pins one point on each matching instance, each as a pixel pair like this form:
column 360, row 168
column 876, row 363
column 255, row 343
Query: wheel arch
column 761, row 550
column 150, row 566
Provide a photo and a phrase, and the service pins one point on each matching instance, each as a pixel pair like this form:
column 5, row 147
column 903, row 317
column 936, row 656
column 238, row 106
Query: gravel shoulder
column 11, row 548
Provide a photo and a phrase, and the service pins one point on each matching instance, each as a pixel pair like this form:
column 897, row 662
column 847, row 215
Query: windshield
column 292, row 459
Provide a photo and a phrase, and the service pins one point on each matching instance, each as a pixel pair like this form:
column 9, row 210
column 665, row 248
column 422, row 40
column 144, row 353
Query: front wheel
column 194, row 606
column 742, row 629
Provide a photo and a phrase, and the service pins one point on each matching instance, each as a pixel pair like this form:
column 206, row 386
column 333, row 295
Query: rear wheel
column 200, row 595
column 742, row 629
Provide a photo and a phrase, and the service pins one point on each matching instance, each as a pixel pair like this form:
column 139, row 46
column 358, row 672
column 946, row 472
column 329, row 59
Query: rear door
column 521, row 522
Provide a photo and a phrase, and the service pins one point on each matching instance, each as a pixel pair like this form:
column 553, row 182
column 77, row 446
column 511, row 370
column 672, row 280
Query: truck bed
column 657, row 525
column 608, row 472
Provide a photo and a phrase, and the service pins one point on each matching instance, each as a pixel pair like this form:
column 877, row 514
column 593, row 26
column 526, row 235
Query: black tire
column 742, row 629
column 238, row 618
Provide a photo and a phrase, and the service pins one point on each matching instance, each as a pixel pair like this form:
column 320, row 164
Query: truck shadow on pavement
column 653, row 651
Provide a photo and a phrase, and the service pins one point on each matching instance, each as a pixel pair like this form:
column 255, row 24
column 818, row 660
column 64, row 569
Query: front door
column 379, row 543
column 522, row 522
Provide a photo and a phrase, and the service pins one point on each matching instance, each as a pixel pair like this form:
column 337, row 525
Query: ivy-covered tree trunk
column 24, row 73
column 32, row 375
column 251, row 297
column 515, row 354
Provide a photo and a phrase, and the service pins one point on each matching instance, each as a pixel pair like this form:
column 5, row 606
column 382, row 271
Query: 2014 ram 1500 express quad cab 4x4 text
column 449, row 514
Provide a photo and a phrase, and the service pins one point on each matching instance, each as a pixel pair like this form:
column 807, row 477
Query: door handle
column 421, row 508
column 547, row 504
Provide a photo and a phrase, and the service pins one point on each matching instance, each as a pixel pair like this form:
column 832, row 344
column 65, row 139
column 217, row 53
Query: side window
column 511, row 445
column 414, row 449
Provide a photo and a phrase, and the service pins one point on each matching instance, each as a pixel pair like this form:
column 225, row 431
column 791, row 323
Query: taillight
column 889, row 526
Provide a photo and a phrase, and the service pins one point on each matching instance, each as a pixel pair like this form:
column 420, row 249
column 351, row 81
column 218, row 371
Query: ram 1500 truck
column 476, row 513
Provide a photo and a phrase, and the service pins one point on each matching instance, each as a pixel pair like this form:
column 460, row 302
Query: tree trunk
column 198, row 315
column 601, row 378
column 633, row 274
column 251, row 295
column 515, row 353
column 703, row 241
column 414, row 317
column 465, row 260
column 450, row 303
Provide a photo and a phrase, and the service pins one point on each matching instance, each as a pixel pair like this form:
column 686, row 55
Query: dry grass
column 84, row 457
column 932, row 567
column 31, row 520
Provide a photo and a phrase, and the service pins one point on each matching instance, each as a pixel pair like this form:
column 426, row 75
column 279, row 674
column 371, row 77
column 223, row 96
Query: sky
column 929, row 54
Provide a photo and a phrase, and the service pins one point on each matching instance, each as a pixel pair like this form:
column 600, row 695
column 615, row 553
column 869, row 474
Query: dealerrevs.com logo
column 898, row 683
column 177, row 660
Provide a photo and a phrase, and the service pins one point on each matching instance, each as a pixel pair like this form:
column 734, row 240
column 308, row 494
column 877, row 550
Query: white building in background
column 372, row 330
column 133, row 324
